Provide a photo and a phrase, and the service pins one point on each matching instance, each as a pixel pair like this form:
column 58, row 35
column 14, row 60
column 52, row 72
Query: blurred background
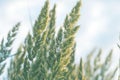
column 99, row 22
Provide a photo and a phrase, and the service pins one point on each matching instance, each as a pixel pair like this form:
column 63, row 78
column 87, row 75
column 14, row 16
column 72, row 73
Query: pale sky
column 99, row 22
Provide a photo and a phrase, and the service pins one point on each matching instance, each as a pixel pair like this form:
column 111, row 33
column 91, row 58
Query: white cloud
column 97, row 9
column 94, row 26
